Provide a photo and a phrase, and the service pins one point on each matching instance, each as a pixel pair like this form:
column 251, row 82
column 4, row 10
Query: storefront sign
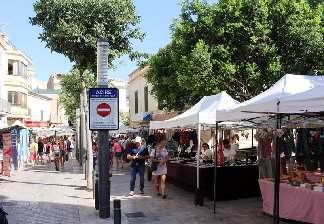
column 36, row 124
column 104, row 108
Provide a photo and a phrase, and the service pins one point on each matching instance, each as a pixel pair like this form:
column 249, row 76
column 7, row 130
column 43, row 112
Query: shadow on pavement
column 22, row 212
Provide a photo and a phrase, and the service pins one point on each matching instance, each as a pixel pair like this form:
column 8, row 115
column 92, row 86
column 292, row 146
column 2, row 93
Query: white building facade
column 5, row 107
column 15, row 70
column 143, row 106
column 39, row 107
column 121, row 86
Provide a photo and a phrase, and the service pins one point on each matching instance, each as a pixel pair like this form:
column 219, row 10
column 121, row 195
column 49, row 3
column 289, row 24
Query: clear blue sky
column 157, row 16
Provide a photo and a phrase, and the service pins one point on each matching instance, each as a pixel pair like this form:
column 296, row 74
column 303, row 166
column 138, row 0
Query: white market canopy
column 58, row 131
column 202, row 112
column 309, row 101
column 291, row 91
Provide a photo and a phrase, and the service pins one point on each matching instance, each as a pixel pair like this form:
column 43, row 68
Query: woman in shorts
column 160, row 155
column 118, row 150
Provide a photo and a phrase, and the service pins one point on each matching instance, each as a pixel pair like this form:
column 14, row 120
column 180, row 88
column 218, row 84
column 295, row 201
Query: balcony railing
column 21, row 74
column 5, row 106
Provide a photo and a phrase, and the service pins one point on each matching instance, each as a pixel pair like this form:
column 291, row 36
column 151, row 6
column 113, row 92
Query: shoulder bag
column 154, row 164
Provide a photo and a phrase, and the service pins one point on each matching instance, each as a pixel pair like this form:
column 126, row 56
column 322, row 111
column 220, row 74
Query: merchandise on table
column 302, row 178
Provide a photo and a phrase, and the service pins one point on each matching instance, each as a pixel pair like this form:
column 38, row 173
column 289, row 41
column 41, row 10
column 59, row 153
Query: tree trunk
column 86, row 133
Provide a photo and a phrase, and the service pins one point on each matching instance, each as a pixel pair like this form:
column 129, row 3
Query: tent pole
column 215, row 165
column 252, row 139
column 198, row 199
column 276, row 215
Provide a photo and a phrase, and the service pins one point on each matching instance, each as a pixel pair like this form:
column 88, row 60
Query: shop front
column 13, row 149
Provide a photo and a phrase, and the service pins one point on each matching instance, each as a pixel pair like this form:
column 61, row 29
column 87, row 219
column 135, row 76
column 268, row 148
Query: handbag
column 154, row 164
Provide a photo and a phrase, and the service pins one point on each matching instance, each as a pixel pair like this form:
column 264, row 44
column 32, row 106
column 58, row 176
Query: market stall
column 13, row 148
column 294, row 102
column 183, row 174
column 201, row 117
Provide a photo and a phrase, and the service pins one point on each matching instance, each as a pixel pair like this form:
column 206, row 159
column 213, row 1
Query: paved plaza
column 42, row 195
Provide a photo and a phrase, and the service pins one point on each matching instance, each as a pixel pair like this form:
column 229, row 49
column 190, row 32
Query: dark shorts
column 119, row 154
column 40, row 153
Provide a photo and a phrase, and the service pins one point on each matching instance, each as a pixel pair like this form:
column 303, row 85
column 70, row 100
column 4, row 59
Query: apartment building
column 5, row 107
column 143, row 106
column 121, row 86
column 16, row 70
column 16, row 76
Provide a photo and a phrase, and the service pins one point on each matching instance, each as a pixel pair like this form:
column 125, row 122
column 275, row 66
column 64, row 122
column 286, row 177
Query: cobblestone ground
column 42, row 195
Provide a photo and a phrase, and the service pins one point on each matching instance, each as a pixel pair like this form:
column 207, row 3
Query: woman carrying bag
column 159, row 158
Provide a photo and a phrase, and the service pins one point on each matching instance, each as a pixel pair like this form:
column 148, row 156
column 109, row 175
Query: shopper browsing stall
column 206, row 153
column 229, row 152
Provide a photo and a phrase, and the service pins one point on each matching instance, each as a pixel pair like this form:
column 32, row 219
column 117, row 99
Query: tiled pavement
column 42, row 195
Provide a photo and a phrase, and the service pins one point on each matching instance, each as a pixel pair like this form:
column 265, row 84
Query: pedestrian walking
column 33, row 151
column 62, row 150
column 94, row 152
column 138, row 155
column 48, row 149
column 159, row 157
column 40, row 151
column 118, row 151
column 71, row 147
column 67, row 148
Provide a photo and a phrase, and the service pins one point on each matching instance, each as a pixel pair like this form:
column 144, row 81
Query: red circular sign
column 103, row 109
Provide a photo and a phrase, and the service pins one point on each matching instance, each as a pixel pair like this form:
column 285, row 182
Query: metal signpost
column 103, row 109
column 103, row 103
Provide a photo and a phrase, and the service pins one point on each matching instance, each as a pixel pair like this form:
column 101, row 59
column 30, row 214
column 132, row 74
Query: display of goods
column 220, row 157
column 7, row 151
column 6, row 168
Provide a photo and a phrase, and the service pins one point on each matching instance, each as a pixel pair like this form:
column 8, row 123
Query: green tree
column 162, row 75
column 72, row 27
column 123, row 118
column 315, row 3
column 70, row 93
column 240, row 46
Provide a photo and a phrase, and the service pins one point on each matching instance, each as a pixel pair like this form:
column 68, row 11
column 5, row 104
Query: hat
column 138, row 139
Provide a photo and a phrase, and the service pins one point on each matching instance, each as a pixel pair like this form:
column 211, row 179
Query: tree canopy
column 70, row 93
column 72, row 27
column 240, row 46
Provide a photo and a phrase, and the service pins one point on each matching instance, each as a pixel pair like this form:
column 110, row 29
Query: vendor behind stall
column 229, row 152
column 206, row 153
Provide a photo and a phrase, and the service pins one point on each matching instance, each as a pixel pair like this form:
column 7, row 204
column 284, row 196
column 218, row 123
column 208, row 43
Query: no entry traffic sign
column 103, row 108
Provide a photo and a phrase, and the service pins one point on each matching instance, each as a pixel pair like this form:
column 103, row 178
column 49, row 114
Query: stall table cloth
column 296, row 203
